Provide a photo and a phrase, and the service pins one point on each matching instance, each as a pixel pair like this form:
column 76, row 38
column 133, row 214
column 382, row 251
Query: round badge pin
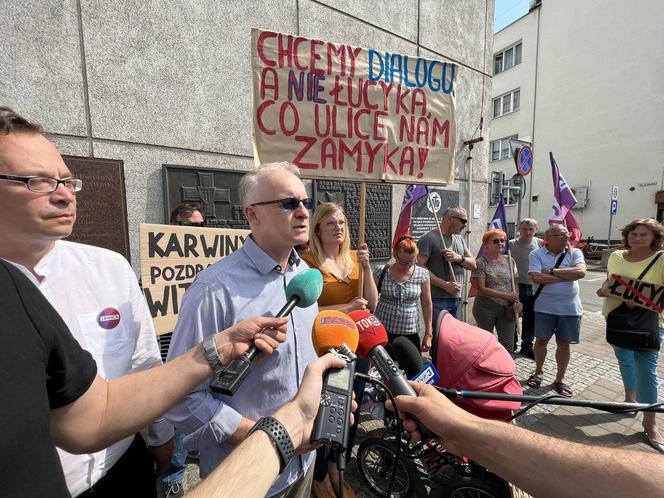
column 108, row 318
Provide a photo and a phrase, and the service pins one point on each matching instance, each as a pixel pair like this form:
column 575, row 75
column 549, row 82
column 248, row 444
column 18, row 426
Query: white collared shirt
column 96, row 293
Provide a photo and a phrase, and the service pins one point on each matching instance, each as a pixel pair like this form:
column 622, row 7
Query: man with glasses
column 251, row 281
column 93, row 289
column 439, row 259
column 557, row 267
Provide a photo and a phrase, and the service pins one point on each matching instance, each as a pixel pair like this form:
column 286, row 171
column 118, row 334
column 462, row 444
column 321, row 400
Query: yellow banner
column 630, row 290
column 343, row 112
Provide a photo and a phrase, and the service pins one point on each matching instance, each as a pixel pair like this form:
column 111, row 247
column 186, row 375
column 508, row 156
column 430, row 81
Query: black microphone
column 302, row 291
column 410, row 359
column 373, row 337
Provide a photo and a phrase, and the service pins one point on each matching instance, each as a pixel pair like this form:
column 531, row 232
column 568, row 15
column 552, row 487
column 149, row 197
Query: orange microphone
column 332, row 329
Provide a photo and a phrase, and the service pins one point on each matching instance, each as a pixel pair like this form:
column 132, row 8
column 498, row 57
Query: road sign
column 524, row 161
column 614, row 206
column 614, row 193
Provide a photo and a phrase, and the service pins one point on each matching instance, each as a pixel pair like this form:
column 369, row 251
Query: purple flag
column 411, row 196
column 563, row 202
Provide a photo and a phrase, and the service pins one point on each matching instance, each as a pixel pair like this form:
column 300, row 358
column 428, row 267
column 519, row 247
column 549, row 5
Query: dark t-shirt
column 430, row 245
column 41, row 367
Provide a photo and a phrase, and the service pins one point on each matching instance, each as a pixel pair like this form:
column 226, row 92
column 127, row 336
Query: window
column 500, row 149
column 506, row 59
column 507, row 103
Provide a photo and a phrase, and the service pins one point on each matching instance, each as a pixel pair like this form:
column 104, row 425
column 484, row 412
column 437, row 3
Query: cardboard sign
column 343, row 112
column 171, row 257
column 641, row 293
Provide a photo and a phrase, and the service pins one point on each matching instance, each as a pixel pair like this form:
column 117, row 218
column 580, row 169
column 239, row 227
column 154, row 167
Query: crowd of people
column 91, row 410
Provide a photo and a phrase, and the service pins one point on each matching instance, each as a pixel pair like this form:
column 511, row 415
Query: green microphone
column 302, row 291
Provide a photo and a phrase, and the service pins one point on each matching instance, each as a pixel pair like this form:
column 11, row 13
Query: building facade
column 589, row 90
column 154, row 83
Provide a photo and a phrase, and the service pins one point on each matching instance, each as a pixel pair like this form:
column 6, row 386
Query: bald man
column 251, row 281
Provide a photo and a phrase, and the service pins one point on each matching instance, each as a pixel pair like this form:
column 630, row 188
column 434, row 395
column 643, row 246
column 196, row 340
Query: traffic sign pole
column 613, row 210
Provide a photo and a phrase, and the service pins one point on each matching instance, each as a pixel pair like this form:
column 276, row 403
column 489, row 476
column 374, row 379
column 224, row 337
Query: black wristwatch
column 280, row 437
column 551, row 271
column 463, row 258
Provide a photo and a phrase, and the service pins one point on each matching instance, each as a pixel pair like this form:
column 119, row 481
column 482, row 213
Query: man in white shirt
column 93, row 289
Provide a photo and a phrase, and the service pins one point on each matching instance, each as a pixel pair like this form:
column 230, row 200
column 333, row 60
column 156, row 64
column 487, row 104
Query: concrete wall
column 169, row 82
column 599, row 107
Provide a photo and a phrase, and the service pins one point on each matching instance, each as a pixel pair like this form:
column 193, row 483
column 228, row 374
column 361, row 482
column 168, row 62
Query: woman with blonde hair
column 497, row 304
column 329, row 251
column 641, row 259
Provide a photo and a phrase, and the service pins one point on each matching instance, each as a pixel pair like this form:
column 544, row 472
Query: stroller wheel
column 473, row 487
column 375, row 457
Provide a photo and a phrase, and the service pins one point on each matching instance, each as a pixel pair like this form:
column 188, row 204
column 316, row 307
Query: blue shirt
column 561, row 298
column 244, row 284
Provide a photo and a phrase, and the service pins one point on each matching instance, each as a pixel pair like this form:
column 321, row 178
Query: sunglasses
column 290, row 203
column 497, row 241
column 462, row 220
column 407, row 264
column 185, row 223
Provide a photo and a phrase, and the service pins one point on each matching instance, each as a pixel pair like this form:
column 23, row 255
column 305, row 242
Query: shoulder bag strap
column 558, row 263
column 382, row 277
column 650, row 265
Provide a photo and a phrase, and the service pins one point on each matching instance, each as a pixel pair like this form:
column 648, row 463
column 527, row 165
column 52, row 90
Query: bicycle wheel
column 473, row 487
column 376, row 460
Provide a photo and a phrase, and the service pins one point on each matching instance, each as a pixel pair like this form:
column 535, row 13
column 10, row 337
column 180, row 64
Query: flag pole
column 440, row 231
column 511, row 264
column 360, row 238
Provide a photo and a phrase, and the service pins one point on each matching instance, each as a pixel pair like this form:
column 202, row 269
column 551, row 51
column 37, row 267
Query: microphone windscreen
column 332, row 329
column 372, row 332
column 407, row 355
column 307, row 285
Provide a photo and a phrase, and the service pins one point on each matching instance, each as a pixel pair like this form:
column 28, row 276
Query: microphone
column 373, row 338
column 332, row 329
column 302, row 291
column 410, row 359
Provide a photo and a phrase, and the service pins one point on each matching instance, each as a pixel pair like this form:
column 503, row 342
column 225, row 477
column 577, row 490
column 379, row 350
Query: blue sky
column 508, row 11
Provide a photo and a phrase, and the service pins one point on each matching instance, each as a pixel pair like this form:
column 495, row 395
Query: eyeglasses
column 407, row 264
column 497, row 241
column 290, row 203
column 187, row 223
column 462, row 220
column 45, row 184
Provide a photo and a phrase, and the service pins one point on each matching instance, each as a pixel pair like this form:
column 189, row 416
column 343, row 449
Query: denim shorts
column 567, row 328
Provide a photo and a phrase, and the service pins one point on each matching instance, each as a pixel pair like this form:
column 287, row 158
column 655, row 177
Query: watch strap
column 280, row 437
column 212, row 354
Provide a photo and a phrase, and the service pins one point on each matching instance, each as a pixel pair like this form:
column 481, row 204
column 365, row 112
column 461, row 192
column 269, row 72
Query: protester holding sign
column 643, row 240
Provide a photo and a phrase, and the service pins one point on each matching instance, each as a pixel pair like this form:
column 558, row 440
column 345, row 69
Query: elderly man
column 558, row 309
column 521, row 248
column 93, row 289
column 439, row 259
column 251, row 281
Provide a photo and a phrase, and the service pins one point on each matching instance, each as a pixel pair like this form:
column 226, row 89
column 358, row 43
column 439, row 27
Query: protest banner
column 630, row 290
column 343, row 112
column 171, row 257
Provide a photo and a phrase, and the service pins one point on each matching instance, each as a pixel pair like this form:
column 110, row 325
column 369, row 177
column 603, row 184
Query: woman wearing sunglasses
column 329, row 251
column 497, row 303
column 402, row 285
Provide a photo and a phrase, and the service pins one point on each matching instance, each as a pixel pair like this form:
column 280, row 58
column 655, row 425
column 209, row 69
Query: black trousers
column 132, row 475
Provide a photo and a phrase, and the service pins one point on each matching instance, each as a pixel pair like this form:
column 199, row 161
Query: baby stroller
column 467, row 358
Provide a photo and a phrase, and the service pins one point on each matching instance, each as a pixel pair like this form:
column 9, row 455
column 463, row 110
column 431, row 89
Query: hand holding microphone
column 302, row 291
